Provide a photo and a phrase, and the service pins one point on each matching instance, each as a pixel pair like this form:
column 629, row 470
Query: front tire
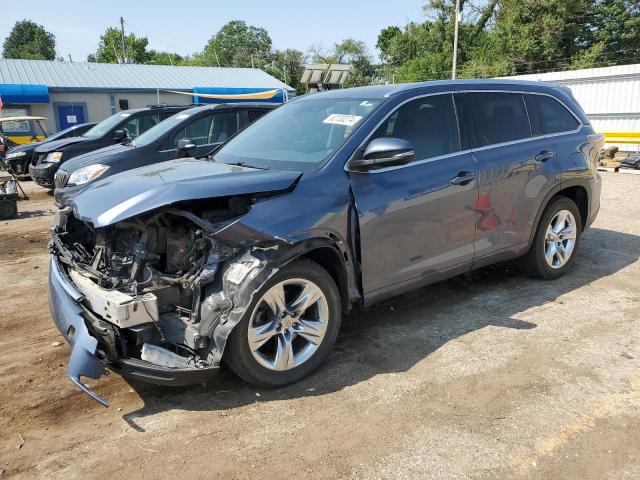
column 556, row 240
column 288, row 329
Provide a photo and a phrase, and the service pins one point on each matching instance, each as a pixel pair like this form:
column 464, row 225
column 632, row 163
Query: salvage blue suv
column 251, row 256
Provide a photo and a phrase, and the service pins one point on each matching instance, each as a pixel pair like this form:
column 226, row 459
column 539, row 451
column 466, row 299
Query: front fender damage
column 183, row 278
column 230, row 295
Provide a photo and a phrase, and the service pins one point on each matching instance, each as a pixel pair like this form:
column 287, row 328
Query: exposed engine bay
column 143, row 280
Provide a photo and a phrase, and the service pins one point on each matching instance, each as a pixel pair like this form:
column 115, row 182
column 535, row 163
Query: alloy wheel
column 560, row 239
column 288, row 324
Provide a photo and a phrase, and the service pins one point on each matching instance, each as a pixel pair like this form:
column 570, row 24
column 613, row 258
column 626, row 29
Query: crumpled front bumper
column 67, row 315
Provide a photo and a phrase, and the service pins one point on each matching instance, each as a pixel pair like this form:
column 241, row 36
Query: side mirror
column 119, row 136
column 184, row 147
column 384, row 152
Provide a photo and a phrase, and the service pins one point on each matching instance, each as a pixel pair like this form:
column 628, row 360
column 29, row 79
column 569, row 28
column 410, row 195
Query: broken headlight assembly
column 144, row 280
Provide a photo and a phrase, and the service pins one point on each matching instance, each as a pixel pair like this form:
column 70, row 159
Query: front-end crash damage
column 161, row 292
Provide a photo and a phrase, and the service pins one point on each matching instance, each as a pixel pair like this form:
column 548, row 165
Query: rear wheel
column 556, row 241
column 289, row 328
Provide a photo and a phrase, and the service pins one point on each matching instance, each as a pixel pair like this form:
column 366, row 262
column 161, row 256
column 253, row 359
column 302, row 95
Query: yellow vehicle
column 19, row 130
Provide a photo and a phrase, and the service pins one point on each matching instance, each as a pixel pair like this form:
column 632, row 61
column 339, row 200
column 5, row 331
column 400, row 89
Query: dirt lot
column 490, row 375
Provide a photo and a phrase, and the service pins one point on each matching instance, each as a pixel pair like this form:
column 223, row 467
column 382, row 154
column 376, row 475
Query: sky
column 185, row 27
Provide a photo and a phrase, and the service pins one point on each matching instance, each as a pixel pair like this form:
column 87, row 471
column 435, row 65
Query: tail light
column 597, row 139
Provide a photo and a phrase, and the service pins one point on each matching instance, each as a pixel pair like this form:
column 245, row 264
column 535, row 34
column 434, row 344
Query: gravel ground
column 489, row 375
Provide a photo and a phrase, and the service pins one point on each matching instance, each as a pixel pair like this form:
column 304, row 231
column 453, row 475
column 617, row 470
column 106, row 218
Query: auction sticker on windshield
column 341, row 119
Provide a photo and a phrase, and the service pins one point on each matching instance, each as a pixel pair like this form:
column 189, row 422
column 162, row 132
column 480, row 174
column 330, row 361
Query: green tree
column 287, row 66
column 507, row 37
column 30, row 41
column 385, row 41
column 237, row 44
column 611, row 33
column 110, row 48
column 165, row 58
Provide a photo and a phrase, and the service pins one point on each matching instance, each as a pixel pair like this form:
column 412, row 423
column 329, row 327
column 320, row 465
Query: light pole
column 455, row 42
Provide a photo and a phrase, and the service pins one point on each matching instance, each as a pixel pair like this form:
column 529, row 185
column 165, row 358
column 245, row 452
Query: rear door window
column 553, row 116
column 495, row 117
column 429, row 123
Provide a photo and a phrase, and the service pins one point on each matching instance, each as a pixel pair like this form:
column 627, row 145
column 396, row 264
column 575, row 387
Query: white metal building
column 610, row 97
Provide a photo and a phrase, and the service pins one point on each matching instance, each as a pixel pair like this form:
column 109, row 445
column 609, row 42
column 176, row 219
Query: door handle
column 543, row 156
column 463, row 178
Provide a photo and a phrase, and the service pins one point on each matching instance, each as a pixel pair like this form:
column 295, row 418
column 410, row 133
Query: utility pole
column 455, row 41
column 124, row 47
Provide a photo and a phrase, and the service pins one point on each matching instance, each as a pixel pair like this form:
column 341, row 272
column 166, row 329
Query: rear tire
column 556, row 241
column 280, row 342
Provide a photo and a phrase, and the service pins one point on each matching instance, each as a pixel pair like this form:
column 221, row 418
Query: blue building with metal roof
column 69, row 93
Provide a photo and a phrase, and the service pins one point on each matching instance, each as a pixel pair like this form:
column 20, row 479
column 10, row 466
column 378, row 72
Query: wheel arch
column 331, row 259
column 577, row 190
column 227, row 299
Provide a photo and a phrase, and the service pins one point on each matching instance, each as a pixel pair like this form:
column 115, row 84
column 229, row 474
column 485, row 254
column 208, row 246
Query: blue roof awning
column 13, row 93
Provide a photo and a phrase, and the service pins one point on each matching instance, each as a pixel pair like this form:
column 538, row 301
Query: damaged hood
column 143, row 189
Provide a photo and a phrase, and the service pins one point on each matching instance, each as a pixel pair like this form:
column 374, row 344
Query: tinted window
column 140, row 124
column 225, row 125
column 495, row 118
column 209, row 129
column 553, row 115
column 198, row 131
column 429, row 123
column 255, row 114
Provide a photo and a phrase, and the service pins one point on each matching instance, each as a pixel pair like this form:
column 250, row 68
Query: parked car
column 118, row 128
column 192, row 133
column 337, row 199
column 20, row 157
column 24, row 126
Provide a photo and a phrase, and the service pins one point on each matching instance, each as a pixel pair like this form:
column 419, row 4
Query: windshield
column 300, row 135
column 107, row 124
column 60, row 134
column 160, row 129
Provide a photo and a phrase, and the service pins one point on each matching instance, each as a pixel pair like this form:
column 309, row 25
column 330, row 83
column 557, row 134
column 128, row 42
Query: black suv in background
column 191, row 133
column 20, row 156
column 118, row 128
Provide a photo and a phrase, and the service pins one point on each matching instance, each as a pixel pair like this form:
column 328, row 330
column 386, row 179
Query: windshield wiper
column 243, row 164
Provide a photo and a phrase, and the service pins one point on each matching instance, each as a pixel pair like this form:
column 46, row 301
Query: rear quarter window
column 553, row 116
